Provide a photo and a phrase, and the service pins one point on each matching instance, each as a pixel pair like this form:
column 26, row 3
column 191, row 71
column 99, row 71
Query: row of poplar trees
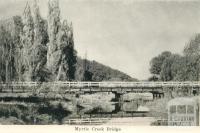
column 39, row 49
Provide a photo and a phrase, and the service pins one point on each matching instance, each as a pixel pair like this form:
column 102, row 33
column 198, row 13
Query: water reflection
column 56, row 109
column 110, row 105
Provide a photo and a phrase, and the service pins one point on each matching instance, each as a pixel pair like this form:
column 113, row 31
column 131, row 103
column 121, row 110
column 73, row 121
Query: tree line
column 35, row 49
column 169, row 66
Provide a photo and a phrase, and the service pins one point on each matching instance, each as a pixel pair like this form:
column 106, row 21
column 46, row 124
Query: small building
column 183, row 112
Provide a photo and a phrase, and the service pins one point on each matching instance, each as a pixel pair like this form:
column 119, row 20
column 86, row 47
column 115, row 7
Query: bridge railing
column 104, row 84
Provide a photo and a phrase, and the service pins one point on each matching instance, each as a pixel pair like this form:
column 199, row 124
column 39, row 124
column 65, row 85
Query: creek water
column 130, row 109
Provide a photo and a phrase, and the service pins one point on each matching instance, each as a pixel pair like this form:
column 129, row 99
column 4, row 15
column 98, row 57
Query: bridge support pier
column 119, row 99
column 157, row 95
column 195, row 91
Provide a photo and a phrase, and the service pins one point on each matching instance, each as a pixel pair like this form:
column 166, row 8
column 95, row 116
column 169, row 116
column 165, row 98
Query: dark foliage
column 98, row 72
column 174, row 67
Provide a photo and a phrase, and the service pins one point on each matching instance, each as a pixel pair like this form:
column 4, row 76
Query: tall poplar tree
column 61, row 56
column 27, row 40
column 6, row 49
column 68, row 61
column 54, row 25
column 39, row 50
column 71, row 54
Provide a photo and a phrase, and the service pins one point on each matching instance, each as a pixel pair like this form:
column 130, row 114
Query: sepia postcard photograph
column 100, row 65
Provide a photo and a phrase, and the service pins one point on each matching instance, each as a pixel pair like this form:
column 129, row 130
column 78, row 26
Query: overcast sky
column 125, row 35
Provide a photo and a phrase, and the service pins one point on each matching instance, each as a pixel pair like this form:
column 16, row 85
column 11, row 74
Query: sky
column 123, row 34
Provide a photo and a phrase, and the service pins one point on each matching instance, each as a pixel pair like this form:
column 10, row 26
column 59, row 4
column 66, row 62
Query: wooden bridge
column 156, row 88
column 104, row 84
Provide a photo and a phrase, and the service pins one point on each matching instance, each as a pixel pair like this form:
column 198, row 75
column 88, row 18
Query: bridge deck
column 103, row 84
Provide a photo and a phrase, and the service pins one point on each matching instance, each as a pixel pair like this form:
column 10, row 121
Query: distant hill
column 100, row 72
